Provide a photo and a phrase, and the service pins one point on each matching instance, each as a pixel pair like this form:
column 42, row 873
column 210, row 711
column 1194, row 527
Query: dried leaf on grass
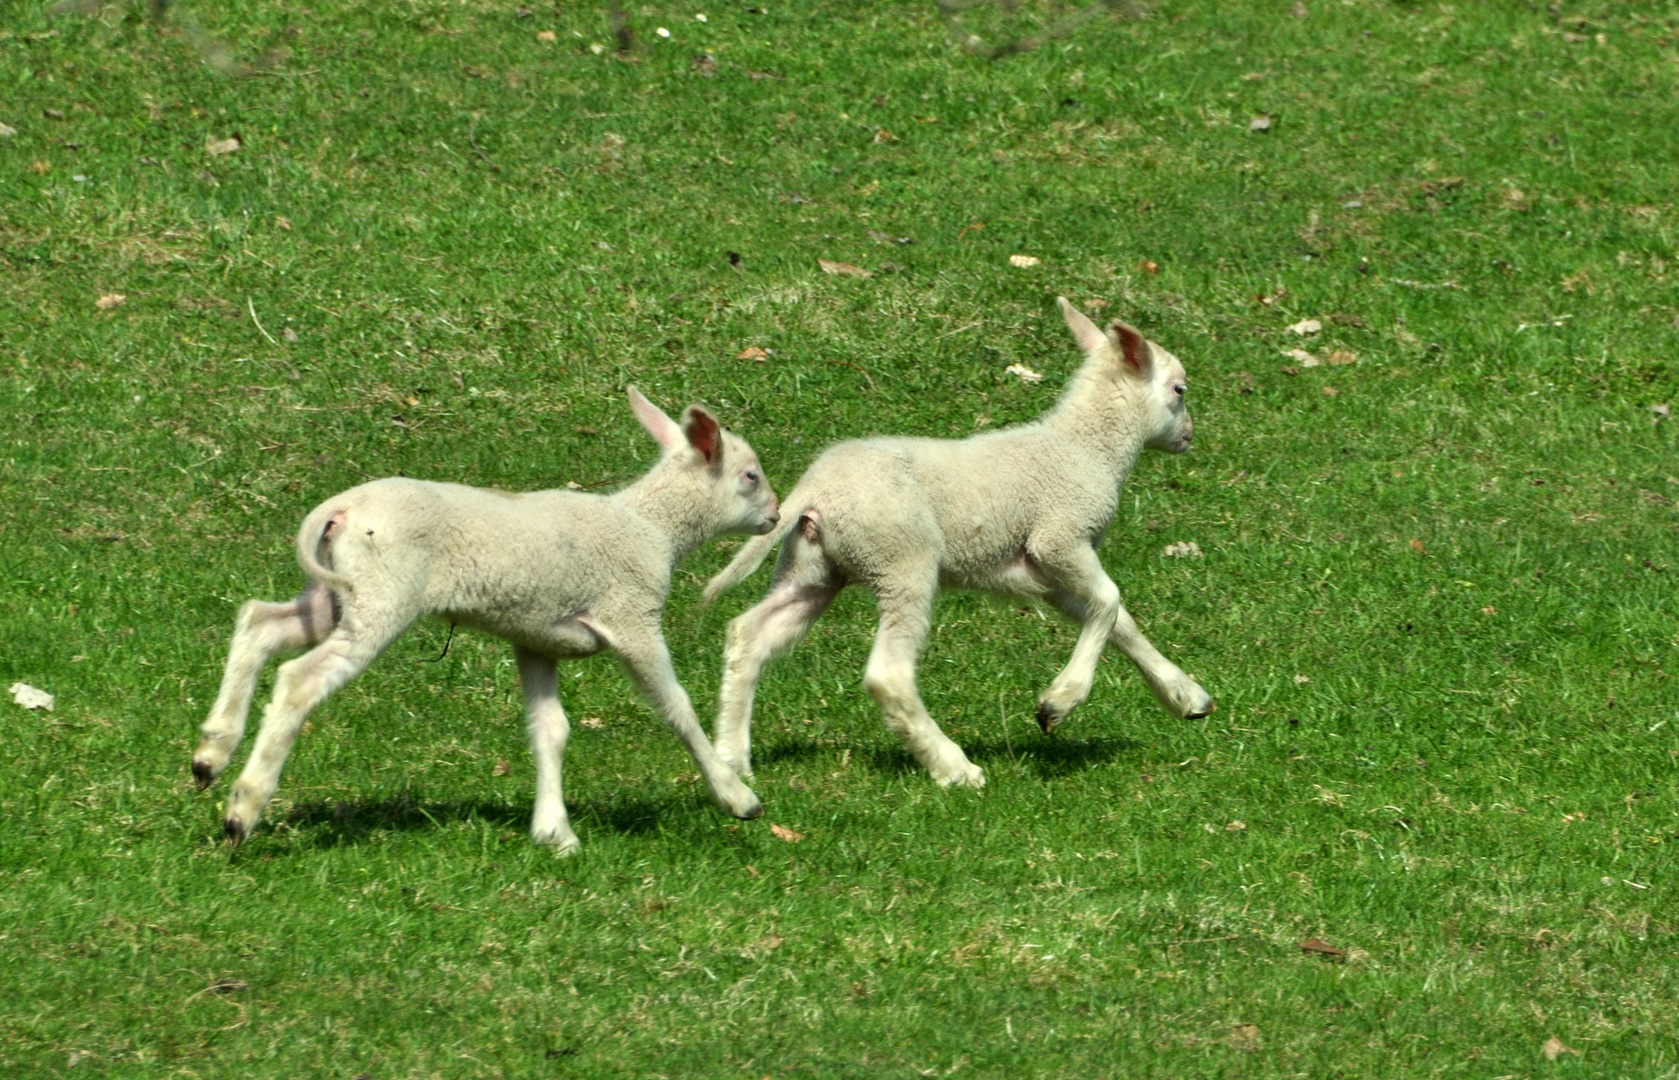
column 7, row 130
column 1024, row 261
column 547, row 35
column 1183, row 549
column 591, row 721
column 781, row 832
column 1302, row 357
column 1320, row 948
column 752, row 352
column 1417, row 546
column 1330, row 391
column 1261, row 122
column 1555, row 1048
column 1341, row 356
column 30, row 697
column 1244, row 1037
column 41, row 167
column 1306, row 327
column 829, row 266
column 1149, row 266
column 502, row 768
column 1024, row 373
column 217, row 147
column 110, row 300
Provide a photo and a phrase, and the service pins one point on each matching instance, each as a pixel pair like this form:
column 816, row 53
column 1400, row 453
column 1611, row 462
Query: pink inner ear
column 1131, row 344
column 703, row 434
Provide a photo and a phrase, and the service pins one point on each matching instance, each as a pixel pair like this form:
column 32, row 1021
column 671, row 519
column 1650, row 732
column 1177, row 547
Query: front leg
column 643, row 651
column 549, row 731
column 1181, row 695
column 1079, row 573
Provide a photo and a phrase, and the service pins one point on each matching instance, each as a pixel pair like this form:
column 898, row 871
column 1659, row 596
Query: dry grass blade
column 829, row 266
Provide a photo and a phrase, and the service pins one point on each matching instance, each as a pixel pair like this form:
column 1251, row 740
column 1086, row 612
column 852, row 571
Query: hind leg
column 549, row 731
column 262, row 630
column 905, row 615
column 805, row 585
column 300, row 686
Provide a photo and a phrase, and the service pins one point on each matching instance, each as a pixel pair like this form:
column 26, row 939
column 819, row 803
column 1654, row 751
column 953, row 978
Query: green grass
column 1437, row 606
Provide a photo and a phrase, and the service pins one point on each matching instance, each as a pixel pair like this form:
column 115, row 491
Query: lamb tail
column 312, row 537
column 748, row 559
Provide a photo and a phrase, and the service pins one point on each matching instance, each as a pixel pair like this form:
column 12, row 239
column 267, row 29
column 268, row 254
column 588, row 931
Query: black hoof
column 1048, row 716
column 1208, row 711
column 234, row 832
column 754, row 814
column 202, row 774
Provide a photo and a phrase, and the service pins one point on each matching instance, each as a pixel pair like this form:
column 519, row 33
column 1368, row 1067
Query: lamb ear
column 703, row 434
column 661, row 427
column 1084, row 331
column 1133, row 347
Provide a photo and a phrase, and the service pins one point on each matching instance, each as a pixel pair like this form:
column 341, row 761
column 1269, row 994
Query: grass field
column 1436, row 600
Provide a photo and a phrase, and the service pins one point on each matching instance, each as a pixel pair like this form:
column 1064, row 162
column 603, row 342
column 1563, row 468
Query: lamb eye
column 751, row 476
column 1179, row 389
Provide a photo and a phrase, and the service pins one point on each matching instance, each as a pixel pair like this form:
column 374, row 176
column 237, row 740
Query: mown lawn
column 1435, row 597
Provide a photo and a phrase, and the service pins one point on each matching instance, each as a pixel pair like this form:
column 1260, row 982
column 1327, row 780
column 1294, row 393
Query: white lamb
column 558, row 573
column 1017, row 512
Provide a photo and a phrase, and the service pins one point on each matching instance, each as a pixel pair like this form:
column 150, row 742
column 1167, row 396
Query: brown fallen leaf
column 1262, row 122
column 217, row 147
column 829, row 266
column 1149, row 266
column 110, row 300
column 1096, row 303
column 502, row 768
column 1323, row 949
column 281, row 222
column 781, row 832
column 884, row 136
column 1341, row 356
column 752, row 352
column 288, row 334
column 1555, row 1048
column 1236, row 826
column 42, row 167
column 1489, row 610
column 1417, row 546
column 1330, row 391
column 1244, row 1037
column 547, row 35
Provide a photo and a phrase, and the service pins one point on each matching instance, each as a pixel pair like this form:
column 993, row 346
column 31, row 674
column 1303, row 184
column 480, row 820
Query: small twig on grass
column 1005, row 718
column 849, row 364
column 249, row 303
column 472, row 138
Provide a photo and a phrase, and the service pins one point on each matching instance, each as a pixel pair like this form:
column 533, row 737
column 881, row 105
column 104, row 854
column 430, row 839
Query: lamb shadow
column 1055, row 755
column 348, row 822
